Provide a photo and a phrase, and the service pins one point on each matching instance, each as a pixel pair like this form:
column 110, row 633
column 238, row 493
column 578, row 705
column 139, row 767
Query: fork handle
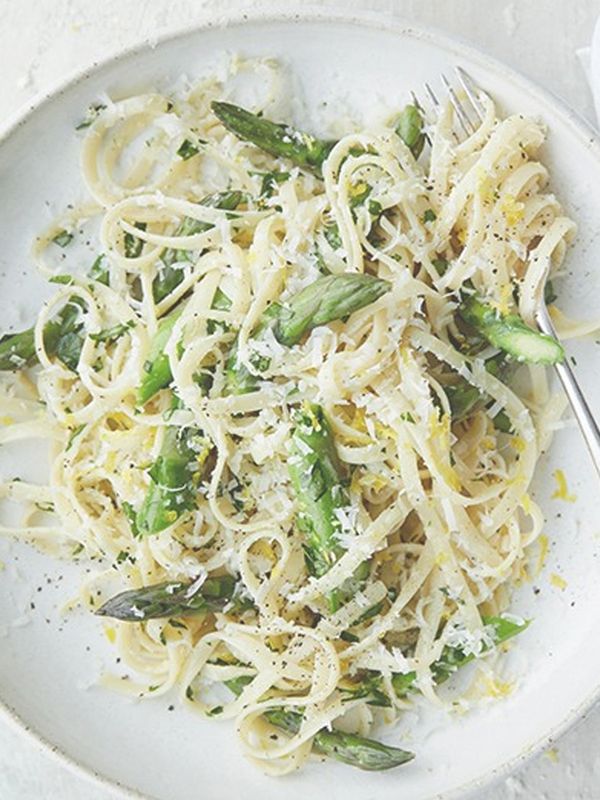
column 585, row 419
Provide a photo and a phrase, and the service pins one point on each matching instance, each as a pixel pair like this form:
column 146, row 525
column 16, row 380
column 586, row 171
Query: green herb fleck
column 110, row 335
column 132, row 245
column 91, row 116
column 63, row 238
column 74, row 434
column 187, row 149
column 65, row 280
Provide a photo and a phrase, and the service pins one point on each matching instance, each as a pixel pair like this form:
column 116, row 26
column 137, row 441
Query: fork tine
column 464, row 120
column 433, row 98
column 470, row 90
column 415, row 100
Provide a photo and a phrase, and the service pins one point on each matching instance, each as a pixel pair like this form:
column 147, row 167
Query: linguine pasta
column 431, row 515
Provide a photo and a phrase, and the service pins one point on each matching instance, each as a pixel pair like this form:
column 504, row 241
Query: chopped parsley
column 63, row 238
column 110, row 335
column 132, row 245
column 65, row 280
column 91, row 116
column 74, row 434
column 187, row 149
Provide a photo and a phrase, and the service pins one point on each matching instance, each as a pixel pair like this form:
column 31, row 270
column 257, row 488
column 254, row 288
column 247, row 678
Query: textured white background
column 43, row 40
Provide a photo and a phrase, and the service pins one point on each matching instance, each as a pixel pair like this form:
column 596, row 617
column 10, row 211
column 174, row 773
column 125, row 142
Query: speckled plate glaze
column 48, row 662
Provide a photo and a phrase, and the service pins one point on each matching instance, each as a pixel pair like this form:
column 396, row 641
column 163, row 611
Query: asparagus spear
column 301, row 148
column 278, row 139
column 465, row 398
column 454, row 657
column 328, row 298
column 315, row 472
column 170, row 276
column 175, row 478
column 505, row 332
column 316, row 476
column 370, row 686
column 410, row 129
column 367, row 753
column 17, row 350
column 356, row 751
column 170, row 599
column 157, row 368
column 509, row 333
column 62, row 338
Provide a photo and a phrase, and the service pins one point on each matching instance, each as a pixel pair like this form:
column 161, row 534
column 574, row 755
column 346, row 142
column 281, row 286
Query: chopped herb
column 98, row 270
column 153, row 688
column 122, row 556
column 176, row 624
column 375, row 208
column 65, row 280
column 332, row 234
column 132, row 245
column 47, row 508
column 549, row 293
column 74, row 434
column 187, row 150
column 63, row 238
column 429, row 215
column 189, row 693
column 213, row 712
column 270, row 180
column 406, row 416
column 111, row 335
column 441, row 265
column 131, row 515
column 91, row 116
column 77, row 550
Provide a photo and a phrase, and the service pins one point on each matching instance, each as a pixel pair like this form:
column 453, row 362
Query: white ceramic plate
column 367, row 64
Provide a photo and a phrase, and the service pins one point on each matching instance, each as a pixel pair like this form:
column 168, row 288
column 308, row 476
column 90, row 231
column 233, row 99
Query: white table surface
column 43, row 40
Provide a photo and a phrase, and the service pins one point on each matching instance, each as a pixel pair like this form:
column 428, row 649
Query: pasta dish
column 294, row 405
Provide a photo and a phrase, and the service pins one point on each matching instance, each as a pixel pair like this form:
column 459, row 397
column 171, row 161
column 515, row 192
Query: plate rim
column 374, row 19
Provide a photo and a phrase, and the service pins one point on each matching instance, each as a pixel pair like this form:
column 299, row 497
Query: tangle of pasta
column 437, row 507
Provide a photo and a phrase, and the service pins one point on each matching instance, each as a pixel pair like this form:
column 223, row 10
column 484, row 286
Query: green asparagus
column 157, row 370
column 356, row 751
column 301, row 148
column 133, row 245
column 465, row 399
column 62, row 338
column 316, row 475
column 278, row 139
column 370, row 686
column 454, row 657
column 175, row 477
column 509, row 333
column 329, row 298
column 410, row 129
column 170, row 275
column 315, row 472
column 171, row 599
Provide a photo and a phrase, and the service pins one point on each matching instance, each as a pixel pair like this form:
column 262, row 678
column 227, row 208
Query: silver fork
column 469, row 118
